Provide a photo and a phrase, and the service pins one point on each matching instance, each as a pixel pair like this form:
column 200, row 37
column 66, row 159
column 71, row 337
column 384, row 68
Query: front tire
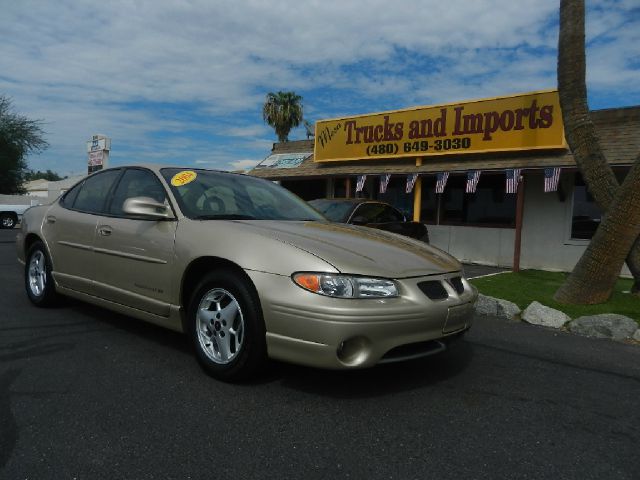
column 226, row 326
column 39, row 283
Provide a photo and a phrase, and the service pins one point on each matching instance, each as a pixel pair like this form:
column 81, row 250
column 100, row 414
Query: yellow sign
column 520, row 122
column 182, row 178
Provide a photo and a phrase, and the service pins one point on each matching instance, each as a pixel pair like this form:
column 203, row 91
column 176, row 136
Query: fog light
column 353, row 351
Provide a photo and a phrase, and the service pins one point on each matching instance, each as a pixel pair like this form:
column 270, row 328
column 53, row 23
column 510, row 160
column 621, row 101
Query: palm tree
column 283, row 111
column 616, row 239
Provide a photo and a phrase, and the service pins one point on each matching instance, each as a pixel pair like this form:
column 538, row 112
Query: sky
column 183, row 82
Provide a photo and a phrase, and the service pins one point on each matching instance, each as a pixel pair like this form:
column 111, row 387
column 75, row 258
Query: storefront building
column 492, row 179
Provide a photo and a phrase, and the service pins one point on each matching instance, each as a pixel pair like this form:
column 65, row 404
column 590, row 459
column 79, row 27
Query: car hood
column 359, row 250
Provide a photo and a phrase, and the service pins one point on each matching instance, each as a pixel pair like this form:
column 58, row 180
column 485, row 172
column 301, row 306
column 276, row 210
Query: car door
column 134, row 256
column 69, row 229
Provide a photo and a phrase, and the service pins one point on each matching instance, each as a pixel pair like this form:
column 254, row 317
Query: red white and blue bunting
column 551, row 179
column 473, row 177
column 513, row 179
column 411, row 181
column 384, row 182
column 441, row 181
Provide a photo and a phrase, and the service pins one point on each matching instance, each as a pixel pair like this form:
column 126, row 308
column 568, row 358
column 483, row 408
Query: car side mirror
column 359, row 220
column 147, row 207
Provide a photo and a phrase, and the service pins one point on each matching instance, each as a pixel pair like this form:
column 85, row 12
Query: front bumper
column 314, row 330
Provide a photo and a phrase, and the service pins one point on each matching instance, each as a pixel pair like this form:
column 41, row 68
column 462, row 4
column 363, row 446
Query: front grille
column 433, row 289
column 456, row 283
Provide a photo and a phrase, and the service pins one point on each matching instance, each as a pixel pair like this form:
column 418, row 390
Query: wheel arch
column 196, row 270
column 30, row 239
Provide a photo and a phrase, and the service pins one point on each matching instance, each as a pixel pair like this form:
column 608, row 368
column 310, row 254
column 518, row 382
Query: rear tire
column 39, row 283
column 7, row 220
column 226, row 326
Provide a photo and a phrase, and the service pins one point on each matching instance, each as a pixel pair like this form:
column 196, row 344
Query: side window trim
column 63, row 199
column 107, row 200
column 111, row 194
column 81, row 185
column 355, row 211
column 365, row 206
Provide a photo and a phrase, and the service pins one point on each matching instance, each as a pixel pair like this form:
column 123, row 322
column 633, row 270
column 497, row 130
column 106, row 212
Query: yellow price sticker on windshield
column 184, row 177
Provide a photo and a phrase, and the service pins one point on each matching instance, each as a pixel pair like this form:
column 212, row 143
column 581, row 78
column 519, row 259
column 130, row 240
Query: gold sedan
column 245, row 268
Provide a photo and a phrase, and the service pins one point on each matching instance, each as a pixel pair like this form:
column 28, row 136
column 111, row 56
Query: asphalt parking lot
column 85, row 393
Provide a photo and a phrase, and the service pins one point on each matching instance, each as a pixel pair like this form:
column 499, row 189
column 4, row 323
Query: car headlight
column 346, row 286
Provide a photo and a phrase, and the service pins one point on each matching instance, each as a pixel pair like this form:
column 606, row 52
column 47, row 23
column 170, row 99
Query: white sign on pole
column 96, row 158
column 98, row 151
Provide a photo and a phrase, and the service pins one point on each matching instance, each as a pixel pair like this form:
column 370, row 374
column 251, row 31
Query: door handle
column 105, row 231
column 51, row 219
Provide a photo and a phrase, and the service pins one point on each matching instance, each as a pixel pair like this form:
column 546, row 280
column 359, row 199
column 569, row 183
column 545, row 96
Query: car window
column 377, row 213
column 368, row 212
column 94, row 191
column 218, row 195
column 70, row 196
column 389, row 214
column 136, row 183
column 218, row 200
column 336, row 211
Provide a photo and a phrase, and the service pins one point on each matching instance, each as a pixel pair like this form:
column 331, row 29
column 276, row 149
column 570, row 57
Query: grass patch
column 524, row 287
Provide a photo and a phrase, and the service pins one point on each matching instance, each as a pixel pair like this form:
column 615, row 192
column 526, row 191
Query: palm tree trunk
column 579, row 129
column 596, row 272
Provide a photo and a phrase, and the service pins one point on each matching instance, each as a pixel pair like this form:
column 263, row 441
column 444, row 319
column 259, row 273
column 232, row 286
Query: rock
column 538, row 314
column 508, row 310
column 636, row 336
column 606, row 325
column 497, row 307
column 486, row 305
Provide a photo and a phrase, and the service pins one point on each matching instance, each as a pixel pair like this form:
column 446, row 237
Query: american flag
column 384, row 181
column 551, row 179
column 360, row 184
column 472, row 181
column 441, row 181
column 513, row 178
column 411, row 181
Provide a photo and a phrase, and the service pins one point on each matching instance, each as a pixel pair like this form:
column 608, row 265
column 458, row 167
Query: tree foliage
column 282, row 111
column 616, row 239
column 38, row 175
column 19, row 136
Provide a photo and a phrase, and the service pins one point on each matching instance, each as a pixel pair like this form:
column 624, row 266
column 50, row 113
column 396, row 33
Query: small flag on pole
column 472, row 181
column 360, row 184
column 441, row 181
column 513, row 179
column 411, row 181
column 551, row 179
column 384, row 182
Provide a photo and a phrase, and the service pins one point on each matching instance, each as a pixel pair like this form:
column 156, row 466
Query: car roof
column 347, row 200
column 159, row 166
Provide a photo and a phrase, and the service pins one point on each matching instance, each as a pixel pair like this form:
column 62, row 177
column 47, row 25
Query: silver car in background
column 245, row 268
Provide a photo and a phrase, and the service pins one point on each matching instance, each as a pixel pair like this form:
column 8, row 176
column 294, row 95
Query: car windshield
column 209, row 195
column 334, row 210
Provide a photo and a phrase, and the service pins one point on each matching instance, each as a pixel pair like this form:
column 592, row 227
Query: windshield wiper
column 226, row 216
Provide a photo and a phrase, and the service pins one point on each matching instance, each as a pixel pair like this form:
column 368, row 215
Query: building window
column 490, row 206
column 429, row 202
column 340, row 187
column 586, row 215
column 307, row 189
column 396, row 194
